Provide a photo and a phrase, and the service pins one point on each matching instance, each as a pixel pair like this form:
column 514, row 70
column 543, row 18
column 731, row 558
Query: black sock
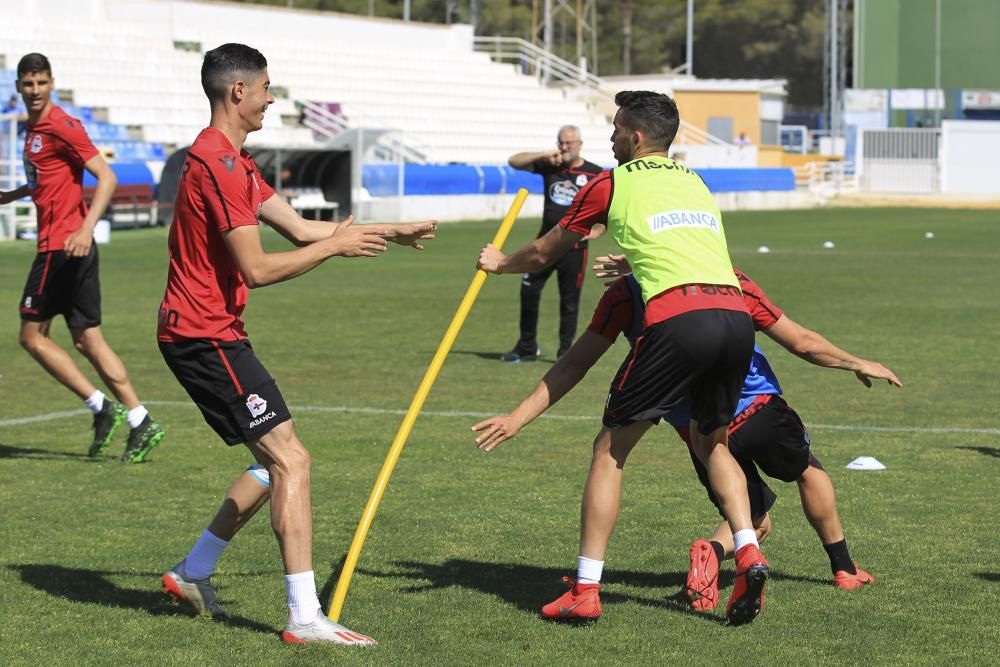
column 720, row 553
column 840, row 559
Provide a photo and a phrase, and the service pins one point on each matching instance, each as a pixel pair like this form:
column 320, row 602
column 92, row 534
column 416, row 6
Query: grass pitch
column 466, row 547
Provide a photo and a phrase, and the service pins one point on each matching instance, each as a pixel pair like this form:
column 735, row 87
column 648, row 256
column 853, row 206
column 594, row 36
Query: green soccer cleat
column 141, row 441
column 106, row 423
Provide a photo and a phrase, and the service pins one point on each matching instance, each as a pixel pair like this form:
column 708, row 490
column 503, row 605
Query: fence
column 899, row 160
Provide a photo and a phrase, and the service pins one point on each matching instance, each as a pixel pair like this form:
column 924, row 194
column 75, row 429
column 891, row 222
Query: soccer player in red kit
column 64, row 279
column 215, row 257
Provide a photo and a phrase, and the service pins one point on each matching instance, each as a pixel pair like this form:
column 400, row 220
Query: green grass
column 467, row 546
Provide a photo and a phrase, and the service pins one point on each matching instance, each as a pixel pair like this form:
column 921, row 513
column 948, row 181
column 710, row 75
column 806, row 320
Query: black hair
column 228, row 63
column 654, row 114
column 33, row 63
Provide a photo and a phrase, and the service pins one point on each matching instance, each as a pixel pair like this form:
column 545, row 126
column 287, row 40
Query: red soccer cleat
column 581, row 604
column 703, row 577
column 747, row 599
column 846, row 581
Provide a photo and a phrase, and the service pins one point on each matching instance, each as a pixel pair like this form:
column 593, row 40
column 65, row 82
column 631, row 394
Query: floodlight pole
column 344, row 582
column 690, row 38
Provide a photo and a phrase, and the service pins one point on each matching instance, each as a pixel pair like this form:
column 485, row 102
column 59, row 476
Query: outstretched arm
column 261, row 268
column 279, row 214
column 816, row 349
column 535, row 256
column 561, row 378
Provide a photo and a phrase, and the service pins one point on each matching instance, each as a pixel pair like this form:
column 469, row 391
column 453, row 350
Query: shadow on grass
column 93, row 587
column 985, row 451
column 495, row 356
column 989, row 576
column 12, row 452
column 528, row 587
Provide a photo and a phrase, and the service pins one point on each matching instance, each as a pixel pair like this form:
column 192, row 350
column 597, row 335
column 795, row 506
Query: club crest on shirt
column 229, row 161
column 561, row 193
column 256, row 405
column 581, row 180
column 36, row 143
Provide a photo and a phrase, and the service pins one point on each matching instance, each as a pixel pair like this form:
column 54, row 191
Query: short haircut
column 562, row 129
column 33, row 63
column 228, row 63
column 654, row 114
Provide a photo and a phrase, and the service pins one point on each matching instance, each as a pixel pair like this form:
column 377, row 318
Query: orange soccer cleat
column 747, row 599
column 848, row 582
column 581, row 604
column 703, row 577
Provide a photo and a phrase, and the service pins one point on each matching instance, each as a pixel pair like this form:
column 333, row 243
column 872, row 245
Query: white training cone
column 763, row 249
column 828, row 244
column 865, row 463
column 929, row 235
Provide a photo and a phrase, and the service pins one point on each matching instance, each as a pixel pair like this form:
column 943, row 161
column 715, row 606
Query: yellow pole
column 411, row 415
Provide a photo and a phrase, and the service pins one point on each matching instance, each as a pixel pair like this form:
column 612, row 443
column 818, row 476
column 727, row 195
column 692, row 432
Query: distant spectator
column 564, row 173
column 11, row 105
column 742, row 140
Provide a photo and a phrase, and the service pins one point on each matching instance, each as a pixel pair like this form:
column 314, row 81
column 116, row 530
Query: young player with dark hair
column 765, row 430
column 215, row 258
column 564, row 173
column 64, row 279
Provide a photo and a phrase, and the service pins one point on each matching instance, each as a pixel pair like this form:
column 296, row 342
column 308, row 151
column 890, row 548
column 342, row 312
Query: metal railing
column 389, row 147
column 827, row 179
column 552, row 70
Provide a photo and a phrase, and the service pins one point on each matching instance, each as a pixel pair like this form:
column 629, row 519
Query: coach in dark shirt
column 564, row 172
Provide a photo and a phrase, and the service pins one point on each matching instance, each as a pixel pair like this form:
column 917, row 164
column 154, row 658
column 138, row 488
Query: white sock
column 95, row 402
column 302, row 601
column 741, row 538
column 136, row 415
column 200, row 562
column 588, row 571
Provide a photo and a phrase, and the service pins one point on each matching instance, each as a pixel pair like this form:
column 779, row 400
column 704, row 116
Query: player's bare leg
column 819, row 503
column 243, row 499
column 34, row 338
column 729, row 484
column 90, row 343
column 190, row 580
column 602, row 493
column 288, row 463
column 598, row 514
column 144, row 432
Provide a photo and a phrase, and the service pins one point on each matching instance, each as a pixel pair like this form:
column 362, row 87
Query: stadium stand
column 140, row 61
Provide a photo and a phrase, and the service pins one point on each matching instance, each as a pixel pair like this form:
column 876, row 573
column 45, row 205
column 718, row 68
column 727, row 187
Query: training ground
column 466, row 547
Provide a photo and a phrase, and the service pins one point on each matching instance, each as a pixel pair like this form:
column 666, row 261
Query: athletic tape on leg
column 261, row 474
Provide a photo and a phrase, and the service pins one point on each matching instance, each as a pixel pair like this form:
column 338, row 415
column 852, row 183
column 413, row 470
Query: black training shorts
column 62, row 285
column 702, row 355
column 237, row 396
column 773, row 437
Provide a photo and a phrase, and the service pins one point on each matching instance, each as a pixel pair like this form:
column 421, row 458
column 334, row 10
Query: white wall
column 970, row 157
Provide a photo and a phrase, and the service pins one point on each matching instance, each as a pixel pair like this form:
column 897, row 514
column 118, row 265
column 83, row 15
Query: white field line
column 343, row 409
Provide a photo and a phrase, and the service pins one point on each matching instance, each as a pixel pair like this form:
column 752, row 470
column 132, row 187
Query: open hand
column 871, row 369
column 611, row 266
column 497, row 430
column 412, row 234
column 352, row 240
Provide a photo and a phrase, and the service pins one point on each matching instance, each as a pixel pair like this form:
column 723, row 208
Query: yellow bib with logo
column 669, row 226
